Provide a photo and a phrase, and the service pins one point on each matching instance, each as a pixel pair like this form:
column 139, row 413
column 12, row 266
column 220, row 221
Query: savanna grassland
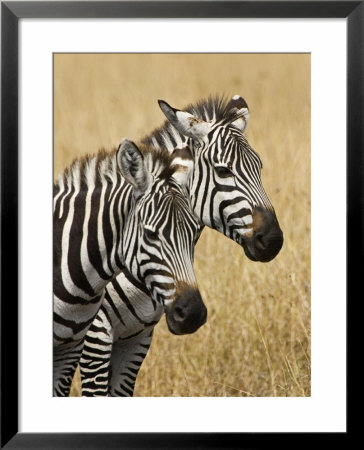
column 256, row 341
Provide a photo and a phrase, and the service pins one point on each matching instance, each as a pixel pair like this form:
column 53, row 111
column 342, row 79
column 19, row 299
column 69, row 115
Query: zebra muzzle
column 267, row 239
column 187, row 313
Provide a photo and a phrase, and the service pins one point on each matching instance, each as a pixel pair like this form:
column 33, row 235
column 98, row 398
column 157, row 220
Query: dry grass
column 257, row 338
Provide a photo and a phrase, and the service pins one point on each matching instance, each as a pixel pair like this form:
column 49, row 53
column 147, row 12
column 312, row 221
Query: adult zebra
column 226, row 194
column 124, row 210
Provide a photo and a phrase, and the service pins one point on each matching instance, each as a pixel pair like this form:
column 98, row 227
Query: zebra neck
column 165, row 137
column 103, row 245
column 170, row 138
column 89, row 224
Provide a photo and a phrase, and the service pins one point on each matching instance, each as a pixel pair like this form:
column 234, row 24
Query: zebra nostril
column 259, row 241
column 179, row 314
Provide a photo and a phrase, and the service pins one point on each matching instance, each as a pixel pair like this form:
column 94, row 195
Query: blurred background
column 256, row 341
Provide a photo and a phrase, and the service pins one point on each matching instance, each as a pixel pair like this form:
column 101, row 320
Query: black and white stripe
column 127, row 210
column 226, row 194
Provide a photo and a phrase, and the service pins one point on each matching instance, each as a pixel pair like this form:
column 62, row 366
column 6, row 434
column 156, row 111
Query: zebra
column 126, row 210
column 226, row 194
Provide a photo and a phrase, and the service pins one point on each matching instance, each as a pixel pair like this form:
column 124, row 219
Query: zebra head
column 160, row 233
column 226, row 189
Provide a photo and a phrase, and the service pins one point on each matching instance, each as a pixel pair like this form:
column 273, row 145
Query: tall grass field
column 256, row 341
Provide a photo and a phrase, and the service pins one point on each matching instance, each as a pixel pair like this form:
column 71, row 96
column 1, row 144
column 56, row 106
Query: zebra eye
column 223, row 172
column 150, row 234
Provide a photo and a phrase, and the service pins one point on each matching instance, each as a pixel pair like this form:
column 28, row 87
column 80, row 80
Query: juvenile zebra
column 226, row 194
column 127, row 210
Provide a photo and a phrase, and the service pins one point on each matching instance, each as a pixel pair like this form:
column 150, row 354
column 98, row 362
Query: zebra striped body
column 226, row 194
column 124, row 211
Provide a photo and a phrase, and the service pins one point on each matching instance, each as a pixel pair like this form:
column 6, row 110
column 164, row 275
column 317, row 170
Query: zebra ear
column 186, row 123
column 184, row 165
column 131, row 164
column 238, row 109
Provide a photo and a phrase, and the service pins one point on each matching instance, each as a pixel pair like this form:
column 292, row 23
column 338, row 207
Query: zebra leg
column 65, row 361
column 70, row 325
column 96, row 356
column 127, row 357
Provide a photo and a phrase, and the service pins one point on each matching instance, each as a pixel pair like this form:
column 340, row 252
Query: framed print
column 79, row 76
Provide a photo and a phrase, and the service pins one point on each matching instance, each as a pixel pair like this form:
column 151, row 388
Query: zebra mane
column 156, row 148
column 102, row 167
column 213, row 109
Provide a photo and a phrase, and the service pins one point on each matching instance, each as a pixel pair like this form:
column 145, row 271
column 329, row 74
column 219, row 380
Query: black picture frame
column 11, row 12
